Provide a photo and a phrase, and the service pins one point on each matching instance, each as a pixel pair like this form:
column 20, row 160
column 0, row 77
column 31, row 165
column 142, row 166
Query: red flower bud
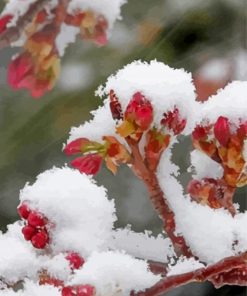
column 85, row 290
column 75, row 146
column 222, row 130
column 75, row 260
column 173, row 121
column 4, row 20
column 23, row 210
column 89, row 164
column 194, row 187
column 36, row 219
column 115, row 106
column 139, row 111
column 40, row 240
column 199, row 133
column 67, row 291
column 28, row 232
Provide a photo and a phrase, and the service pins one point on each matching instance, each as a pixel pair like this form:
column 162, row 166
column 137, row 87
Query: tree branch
column 158, row 199
column 229, row 270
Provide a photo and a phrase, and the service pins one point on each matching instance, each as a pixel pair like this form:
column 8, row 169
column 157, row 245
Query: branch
column 221, row 273
column 158, row 199
column 12, row 34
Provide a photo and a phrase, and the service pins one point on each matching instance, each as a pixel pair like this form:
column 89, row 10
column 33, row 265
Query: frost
column 164, row 86
column 80, row 210
column 204, row 166
column 115, row 273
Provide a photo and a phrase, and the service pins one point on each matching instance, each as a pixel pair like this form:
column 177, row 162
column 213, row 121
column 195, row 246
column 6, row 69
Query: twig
column 220, row 273
column 158, row 199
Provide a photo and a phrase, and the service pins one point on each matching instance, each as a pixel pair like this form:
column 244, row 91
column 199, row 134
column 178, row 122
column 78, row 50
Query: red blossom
column 89, row 164
column 36, row 219
column 75, row 146
column 75, row 260
column 4, row 20
column 139, row 111
column 40, row 240
column 173, row 121
column 222, row 131
column 24, row 210
column 28, row 232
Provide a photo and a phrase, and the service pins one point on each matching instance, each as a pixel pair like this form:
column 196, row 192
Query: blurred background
column 206, row 37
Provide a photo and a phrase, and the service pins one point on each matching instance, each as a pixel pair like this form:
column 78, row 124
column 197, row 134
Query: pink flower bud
column 85, row 290
column 4, row 20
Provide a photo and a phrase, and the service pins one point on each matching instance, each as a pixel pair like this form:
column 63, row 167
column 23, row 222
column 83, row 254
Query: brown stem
column 214, row 271
column 158, row 199
column 12, row 34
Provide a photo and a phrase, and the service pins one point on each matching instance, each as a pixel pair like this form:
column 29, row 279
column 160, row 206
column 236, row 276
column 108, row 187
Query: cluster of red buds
column 82, row 290
column 131, row 125
column 111, row 150
column 223, row 142
column 35, row 229
column 37, row 68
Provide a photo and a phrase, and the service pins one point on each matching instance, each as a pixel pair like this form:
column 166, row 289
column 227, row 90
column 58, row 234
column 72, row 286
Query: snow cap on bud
column 89, row 164
column 72, row 204
column 222, row 130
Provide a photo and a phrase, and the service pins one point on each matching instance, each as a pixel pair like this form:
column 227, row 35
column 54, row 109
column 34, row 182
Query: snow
column 67, row 35
column 164, row 86
column 204, row 167
column 201, row 225
column 229, row 102
column 33, row 289
column 80, row 210
column 114, row 273
column 184, row 265
column 17, row 257
column 110, row 9
column 101, row 125
column 142, row 245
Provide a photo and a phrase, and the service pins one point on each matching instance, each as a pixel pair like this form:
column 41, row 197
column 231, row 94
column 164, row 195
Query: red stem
column 158, row 199
column 233, row 268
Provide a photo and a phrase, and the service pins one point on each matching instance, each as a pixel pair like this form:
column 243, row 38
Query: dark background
column 208, row 38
